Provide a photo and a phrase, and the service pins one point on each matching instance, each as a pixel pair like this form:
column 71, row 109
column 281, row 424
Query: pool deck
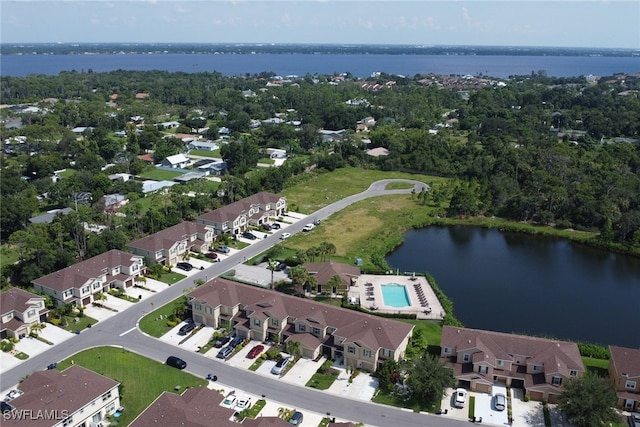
column 424, row 303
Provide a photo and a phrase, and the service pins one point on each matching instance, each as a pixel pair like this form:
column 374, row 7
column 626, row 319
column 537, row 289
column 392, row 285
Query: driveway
column 484, row 407
column 191, row 342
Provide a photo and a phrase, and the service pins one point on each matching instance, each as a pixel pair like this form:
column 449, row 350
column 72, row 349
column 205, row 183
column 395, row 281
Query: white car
column 229, row 401
column 285, row 236
column 308, row 228
column 460, row 398
column 243, row 403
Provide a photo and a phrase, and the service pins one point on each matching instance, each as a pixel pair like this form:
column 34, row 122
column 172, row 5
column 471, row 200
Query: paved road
column 121, row 330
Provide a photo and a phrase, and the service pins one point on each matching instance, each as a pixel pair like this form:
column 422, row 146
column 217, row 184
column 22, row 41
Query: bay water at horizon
column 360, row 65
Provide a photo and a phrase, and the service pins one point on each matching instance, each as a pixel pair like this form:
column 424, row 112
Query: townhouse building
column 73, row 397
column 481, row 358
column 78, row 284
column 19, row 311
column 624, row 372
column 363, row 340
column 168, row 247
column 236, row 217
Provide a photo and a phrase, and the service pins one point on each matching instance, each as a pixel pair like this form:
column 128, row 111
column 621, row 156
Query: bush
column 273, row 353
column 6, row 345
column 593, row 350
column 55, row 321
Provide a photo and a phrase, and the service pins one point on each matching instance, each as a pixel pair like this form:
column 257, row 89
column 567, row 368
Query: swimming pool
column 395, row 295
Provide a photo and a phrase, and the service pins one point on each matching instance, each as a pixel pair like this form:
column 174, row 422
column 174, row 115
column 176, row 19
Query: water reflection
column 519, row 283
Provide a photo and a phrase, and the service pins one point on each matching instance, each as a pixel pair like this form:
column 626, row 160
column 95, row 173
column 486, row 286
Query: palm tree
column 272, row 265
column 294, row 348
column 36, row 328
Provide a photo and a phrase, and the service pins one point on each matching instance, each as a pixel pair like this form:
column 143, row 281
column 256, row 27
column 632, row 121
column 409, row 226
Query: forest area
column 551, row 151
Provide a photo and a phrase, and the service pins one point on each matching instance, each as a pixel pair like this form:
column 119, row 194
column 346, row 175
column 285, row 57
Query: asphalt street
column 121, row 330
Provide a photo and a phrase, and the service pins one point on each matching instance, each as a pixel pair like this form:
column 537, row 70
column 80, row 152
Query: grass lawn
column 155, row 323
column 206, row 153
column 160, row 175
column 8, row 255
column 171, row 278
column 266, row 161
column 402, row 402
column 599, row 367
column 398, row 186
column 322, row 381
column 142, row 380
column 67, row 173
column 79, row 323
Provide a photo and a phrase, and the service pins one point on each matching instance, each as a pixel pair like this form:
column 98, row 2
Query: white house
column 176, row 161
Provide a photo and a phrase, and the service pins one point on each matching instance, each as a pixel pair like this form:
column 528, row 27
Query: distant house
column 197, row 407
column 167, row 247
column 79, row 283
column 324, row 271
column 332, row 135
column 378, row 151
column 141, row 96
column 538, row 366
column 237, row 216
column 19, row 311
column 49, row 216
column 216, row 168
column 177, row 161
column 188, row 177
column 110, row 203
column 147, row 158
column 73, row 397
column 151, row 186
column 169, row 125
column 624, row 372
column 277, row 153
column 120, row 176
column 203, row 145
column 82, row 129
column 365, row 341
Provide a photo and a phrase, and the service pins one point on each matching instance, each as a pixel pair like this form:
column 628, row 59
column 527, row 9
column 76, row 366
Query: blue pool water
column 395, row 295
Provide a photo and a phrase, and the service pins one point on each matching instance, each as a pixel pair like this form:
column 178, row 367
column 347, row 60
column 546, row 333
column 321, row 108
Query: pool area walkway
column 368, row 291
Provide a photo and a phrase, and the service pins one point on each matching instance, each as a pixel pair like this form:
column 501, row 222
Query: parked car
column 184, row 266
column 236, row 342
column 460, row 398
column 243, row 403
column 223, row 249
column 634, row 419
column 224, row 352
column 280, row 365
column 255, row 351
column 267, row 226
column 285, row 236
column 185, row 329
column 229, row 401
column 176, row 362
column 249, row 235
column 222, row 341
column 275, row 226
column 500, row 401
column 211, row 255
column 316, row 221
column 296, row 418
column 308, row 228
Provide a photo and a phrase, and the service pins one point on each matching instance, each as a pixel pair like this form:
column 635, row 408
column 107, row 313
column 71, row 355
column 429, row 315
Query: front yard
column 142, row 380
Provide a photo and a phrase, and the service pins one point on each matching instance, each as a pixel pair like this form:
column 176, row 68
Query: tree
column 589, row 401
column 272, row 265
column 388, row 374
column 428, row 377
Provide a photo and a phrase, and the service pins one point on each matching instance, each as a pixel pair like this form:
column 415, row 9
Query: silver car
column 500, row 401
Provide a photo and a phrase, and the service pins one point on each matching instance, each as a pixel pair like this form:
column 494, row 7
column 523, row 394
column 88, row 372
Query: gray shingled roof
column 168, row 237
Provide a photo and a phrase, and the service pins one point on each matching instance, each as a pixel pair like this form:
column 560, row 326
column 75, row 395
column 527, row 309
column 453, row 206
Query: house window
column 556, row 381
column 465, row 357
column 106, row 396
column 275, row 322
column 67, row 422
column 351, row 350
column 302, row 327
column 31, row 313
column 537, row 368
column 317, row 331
column 483, row 369
column 197, row 307
column 447, row 350
column 208, row 310
column 256, row 322
column 366, row 352
column 134, row 267
column 500, row 362
column 68, row 293
column 573, row 373
column 96, row 285
column 86, row 289
column 631, row 385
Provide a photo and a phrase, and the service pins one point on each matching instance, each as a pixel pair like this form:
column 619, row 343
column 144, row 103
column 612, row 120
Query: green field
column 160, row 175
column 206, row 153
column 8, row 255
column 142, row 380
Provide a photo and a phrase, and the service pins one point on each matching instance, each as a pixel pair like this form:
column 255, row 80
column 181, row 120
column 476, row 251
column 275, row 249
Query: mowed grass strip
column 160, row 175
column 142, row 379
column 317, row 191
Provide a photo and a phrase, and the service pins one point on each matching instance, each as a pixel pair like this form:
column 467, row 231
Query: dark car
column 255, row 351
column 222, row 341
column 296, row 418
column 176, row 362
column 184, row 266
column 185, row 329
column 211, row 255
column 267, row 227
column 275, row 226
column 249, row 235
column 224, row 352
column 236, row 342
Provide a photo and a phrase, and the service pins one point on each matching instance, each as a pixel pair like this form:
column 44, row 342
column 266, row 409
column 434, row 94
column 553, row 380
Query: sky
column 571, row 23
